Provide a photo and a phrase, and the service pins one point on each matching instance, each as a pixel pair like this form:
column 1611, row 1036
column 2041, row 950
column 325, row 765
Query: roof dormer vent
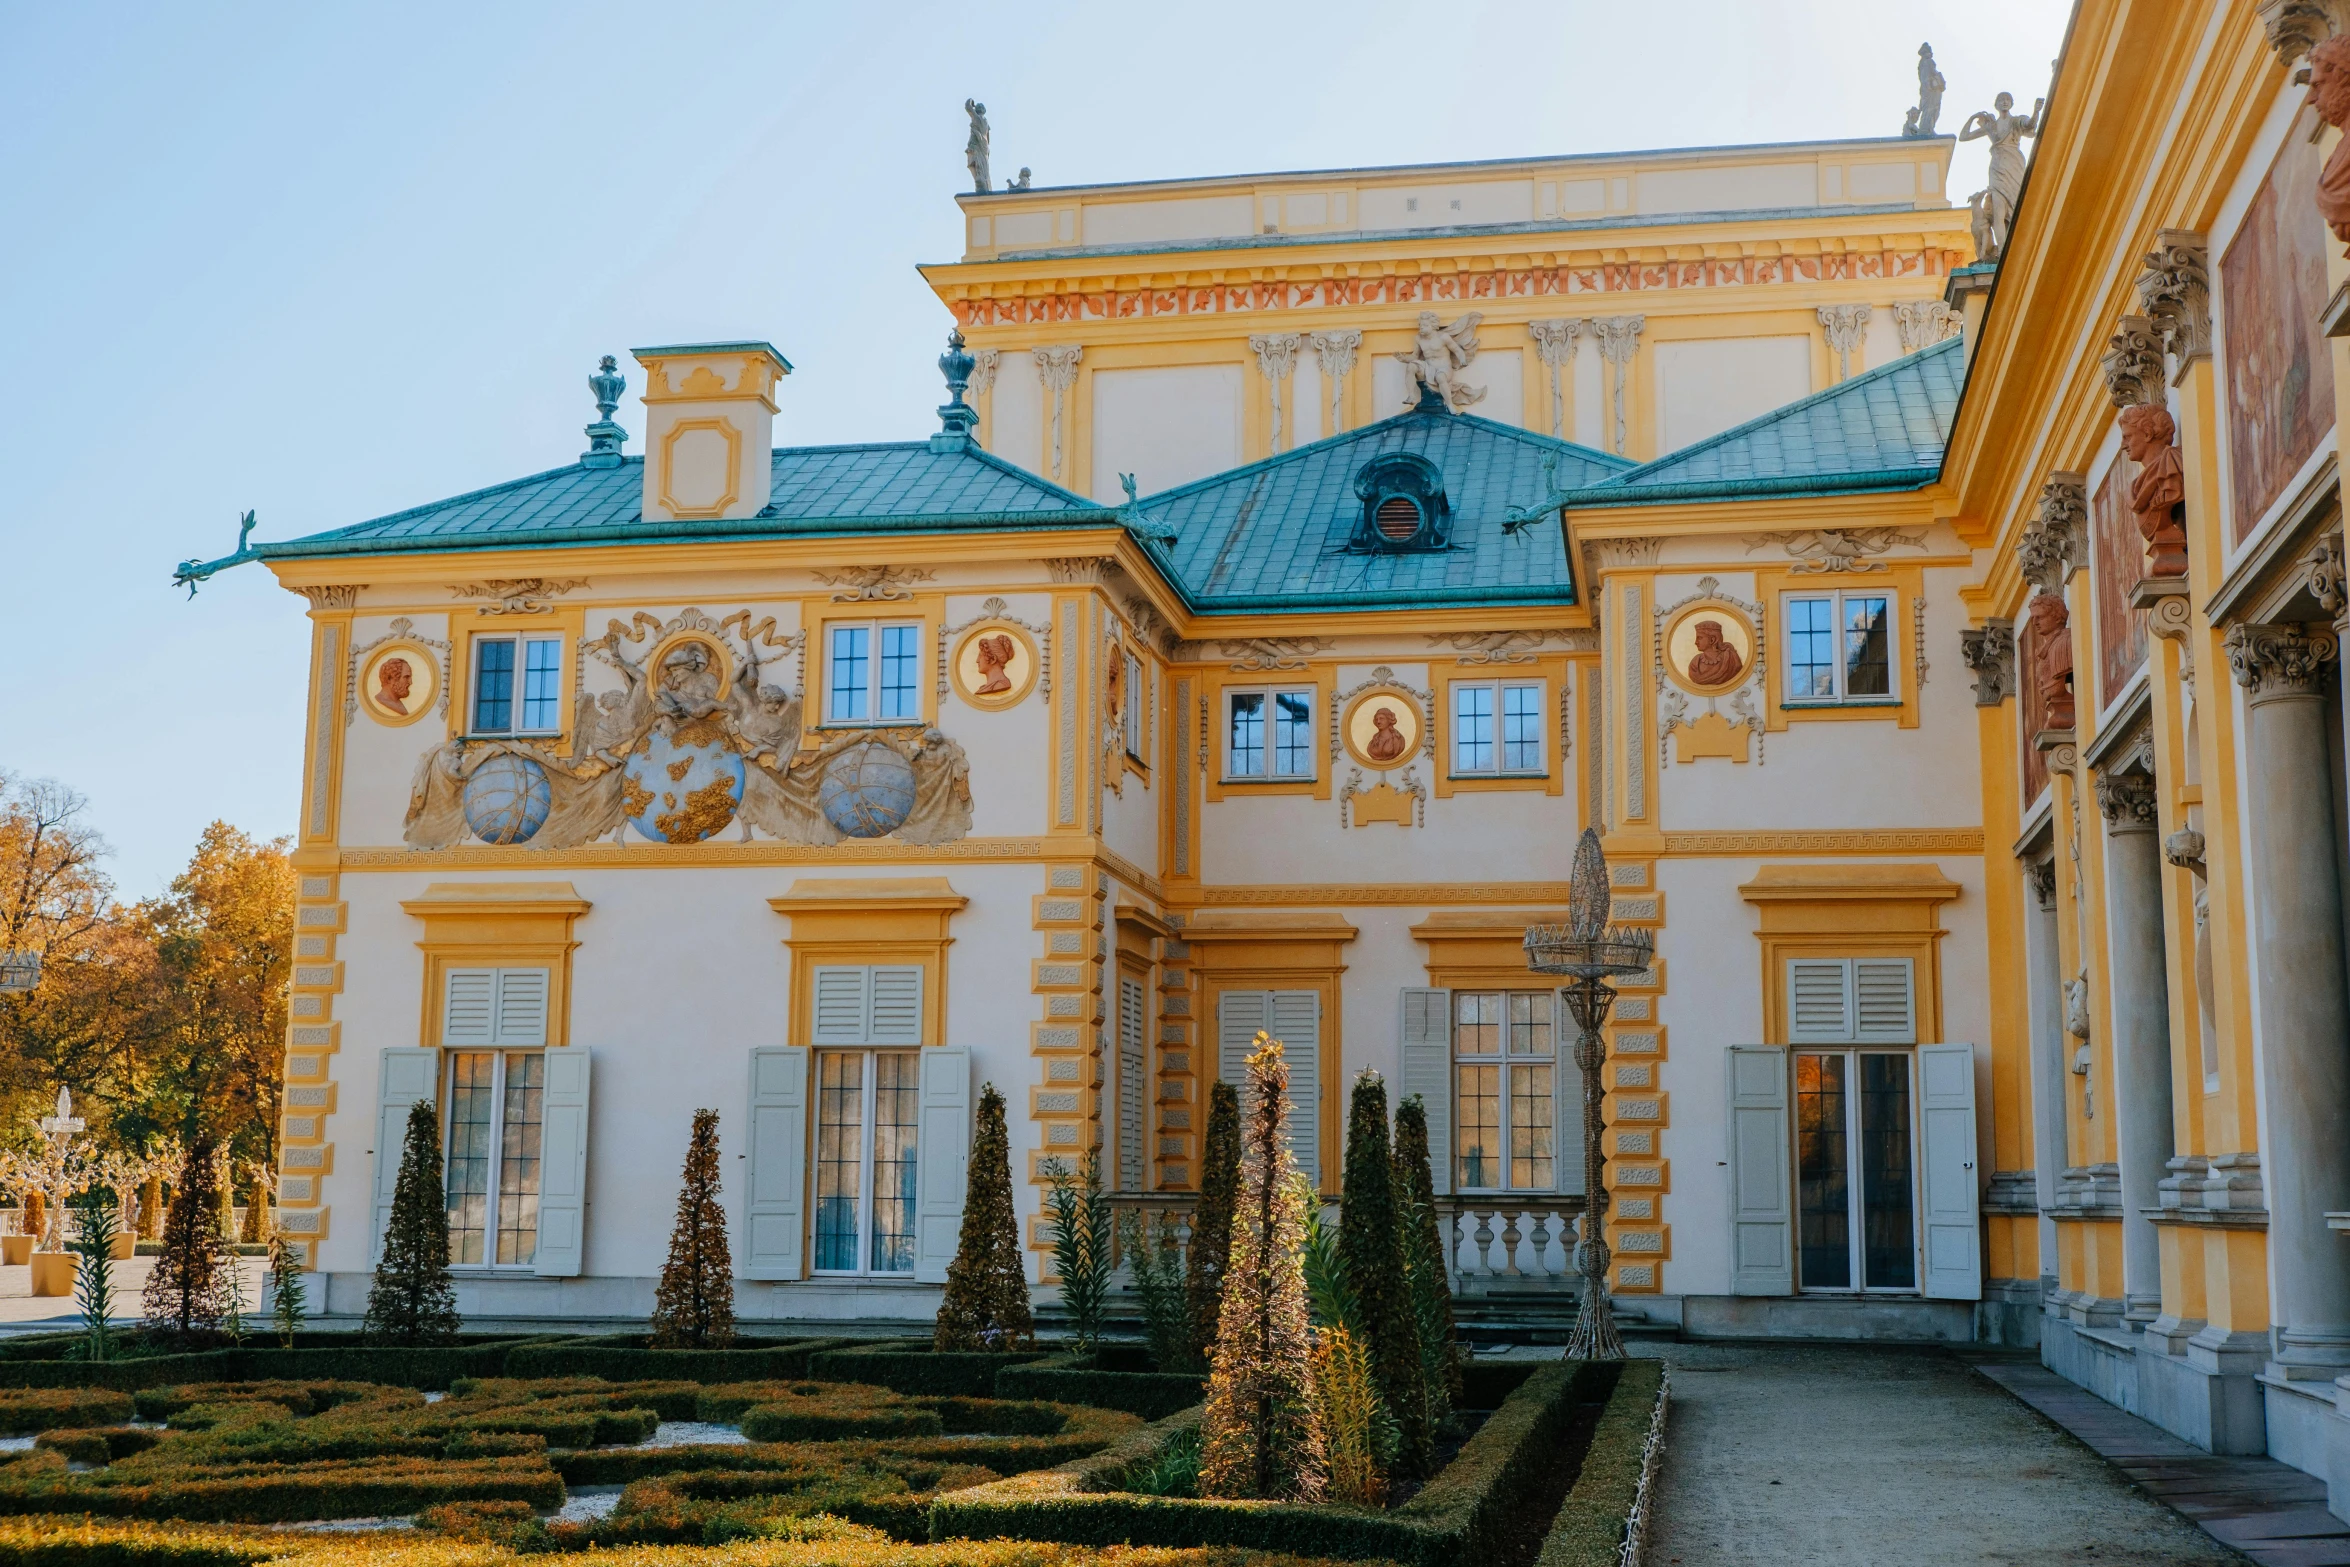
column 1404, row 505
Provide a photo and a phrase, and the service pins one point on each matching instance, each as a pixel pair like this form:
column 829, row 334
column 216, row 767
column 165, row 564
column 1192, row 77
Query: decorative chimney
column 709, row 429
column 604, row 437
column 957, row 419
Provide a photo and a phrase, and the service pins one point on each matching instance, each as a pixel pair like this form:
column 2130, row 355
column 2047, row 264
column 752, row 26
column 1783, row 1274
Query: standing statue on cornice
column 975, row 150
column 2005, row 130
column 1439, row 356
column 1929, row 105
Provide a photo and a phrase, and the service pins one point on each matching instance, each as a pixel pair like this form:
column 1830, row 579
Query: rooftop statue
column 975, row 150
column 1439, row 356
column 1921, row 119
column 2005, row 130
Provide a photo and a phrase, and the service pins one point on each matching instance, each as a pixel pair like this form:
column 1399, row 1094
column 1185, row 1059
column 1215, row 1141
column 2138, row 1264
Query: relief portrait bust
column 1716, row 662
column 1387, row 742
column 1709, row 648
column 398, row 683
column 995, row 665
column 393, row 680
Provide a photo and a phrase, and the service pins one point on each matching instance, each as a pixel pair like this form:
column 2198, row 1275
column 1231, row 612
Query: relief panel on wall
column 2118, row 560
column 2280, row 374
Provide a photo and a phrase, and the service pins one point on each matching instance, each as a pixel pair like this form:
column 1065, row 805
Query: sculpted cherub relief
column 1439, row 356
column 681, row 730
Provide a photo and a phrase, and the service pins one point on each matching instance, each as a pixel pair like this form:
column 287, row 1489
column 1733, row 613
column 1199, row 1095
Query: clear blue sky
column 329, row 261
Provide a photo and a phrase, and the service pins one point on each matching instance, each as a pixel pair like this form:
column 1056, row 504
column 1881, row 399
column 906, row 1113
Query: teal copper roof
column 1884, row 429
column 1276, row 534
column 899, row 486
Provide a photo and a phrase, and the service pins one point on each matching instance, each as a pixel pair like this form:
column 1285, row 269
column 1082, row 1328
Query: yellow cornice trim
column 841, row 895
column 1372, row 894
column 1849, row 883
column 495, row 899
column 1824, row 840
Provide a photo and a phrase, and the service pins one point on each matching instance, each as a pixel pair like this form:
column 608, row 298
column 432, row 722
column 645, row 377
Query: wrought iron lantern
column 1587, row 952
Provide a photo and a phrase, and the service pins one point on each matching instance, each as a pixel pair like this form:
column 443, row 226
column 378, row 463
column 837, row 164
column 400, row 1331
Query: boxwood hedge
column 1083, row 1379
column 1459, row 1517
column 1589, row 1529
column 911, row 1366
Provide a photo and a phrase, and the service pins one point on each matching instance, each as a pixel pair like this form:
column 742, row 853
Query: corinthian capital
column 2126, row 801
column 2175, row 288
column 1990, row 653
column 2327, row 570
column 2281, row 659
column 2052, row 544
column 2133, row 364
column 2294, row 27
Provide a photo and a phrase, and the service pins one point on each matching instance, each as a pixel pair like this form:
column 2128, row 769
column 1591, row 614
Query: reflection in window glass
column 1476, row 1108
column 1472, row 729
column 1521, row 728
column 1247, row 748
column 542, row 692
column 840, row 1156
column 1811, row 648
column 471, row 1103
column 518, row 1156
column 894, row 1122
column 1823, row 1174
column 1888, row 1255
column 1293, row 734
column 899, row 672
column 1504, row 1075
column 493, row 686
column 852, row 648
column 1868, row 662
column 1530, row 1127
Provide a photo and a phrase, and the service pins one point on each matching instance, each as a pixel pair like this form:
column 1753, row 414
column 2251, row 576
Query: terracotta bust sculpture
column 2329, row 95
column 2159, row 497
column 1386, row 740
column 995, row 658
column 393, row 681
column 1716, row 662
column 2052, row 659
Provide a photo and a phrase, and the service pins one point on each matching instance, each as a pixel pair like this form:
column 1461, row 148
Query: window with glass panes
column 1269, row 734
column 1496, row 727
column 1855, row 1123
column 493, row 1109
column 1840, row 649
column 1505, row 1090
column 867, row 1117
column 873, row 672
column 1137, row 706
column 517, row 685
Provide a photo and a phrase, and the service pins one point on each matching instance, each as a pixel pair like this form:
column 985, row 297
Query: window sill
column 883, row 1280
column 1259, row 781
column 845, row 724
column 494, row 1270
column 1540, row 777
column 513, row 734
column 1816, row 705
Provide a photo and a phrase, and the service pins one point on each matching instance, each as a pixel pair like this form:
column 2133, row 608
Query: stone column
column 2140, row 1028
column 2304, row 1015
column 2050, row 1153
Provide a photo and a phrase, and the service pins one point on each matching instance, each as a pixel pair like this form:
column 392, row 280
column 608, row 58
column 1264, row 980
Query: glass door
column 1856, row 1173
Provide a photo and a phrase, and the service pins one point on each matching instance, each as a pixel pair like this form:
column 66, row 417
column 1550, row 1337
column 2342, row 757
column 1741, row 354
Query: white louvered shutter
column 1762, row 1258
column 943, row 1160
column 1240, row 1016
column 521, row 1017
column 469, row 1007
column 896, row 1018
column 1567, row 1103
column 843, row 1005
column 775, row 1196
column 1427, row 1071
column 1132, row 1064
column 1884, row 1001
column 563, row 1161
column 1819, row 1001
column 405, row 1076
column 1297, row 1023
column 1949, row 1192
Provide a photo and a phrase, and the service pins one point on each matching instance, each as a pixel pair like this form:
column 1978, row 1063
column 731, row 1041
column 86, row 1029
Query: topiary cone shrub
column 1424, row 1258
column 986, row 1302
column 413, row 1300
column 694, row 1308
column 1211, row 1223
column 188, row 1293
column 1371, row 1244
column 1260, row 1434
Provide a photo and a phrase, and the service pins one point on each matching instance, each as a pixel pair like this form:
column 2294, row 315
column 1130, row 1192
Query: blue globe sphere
column 867, row 791
column 507, row 799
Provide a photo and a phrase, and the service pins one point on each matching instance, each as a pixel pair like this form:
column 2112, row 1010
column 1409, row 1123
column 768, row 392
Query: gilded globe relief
column 678, row 793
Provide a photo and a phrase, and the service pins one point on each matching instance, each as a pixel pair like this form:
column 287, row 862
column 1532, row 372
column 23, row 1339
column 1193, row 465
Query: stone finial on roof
column 957, row 418
column 605, row 437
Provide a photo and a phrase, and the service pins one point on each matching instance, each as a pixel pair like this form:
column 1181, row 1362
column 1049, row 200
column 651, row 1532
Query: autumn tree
column 1211, row 1221
column 694, row 1307
column 1260, row 1432
column 985, row 1306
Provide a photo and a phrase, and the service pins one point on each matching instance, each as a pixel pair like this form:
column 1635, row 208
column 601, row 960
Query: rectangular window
column 1286, row 752
column 1505, row 1085
column 1840, row 649
column 1133, row 1065
column 495, row 1112
column 1855, row 1126
column 873, row 673
column 517, row 685
column 1497, row 728
column 866, row 1164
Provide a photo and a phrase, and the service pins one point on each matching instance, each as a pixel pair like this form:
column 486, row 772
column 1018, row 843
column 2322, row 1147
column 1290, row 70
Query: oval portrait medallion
column 399, row 683
column 994, row 665
column 1709, row 649
column 1383, row 729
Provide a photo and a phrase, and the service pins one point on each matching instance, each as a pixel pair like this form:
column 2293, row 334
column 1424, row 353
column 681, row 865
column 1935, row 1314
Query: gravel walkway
column 1851, row 1456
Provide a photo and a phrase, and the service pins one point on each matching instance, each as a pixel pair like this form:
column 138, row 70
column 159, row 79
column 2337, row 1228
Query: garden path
column 1828, row 1455
column 21, row 1311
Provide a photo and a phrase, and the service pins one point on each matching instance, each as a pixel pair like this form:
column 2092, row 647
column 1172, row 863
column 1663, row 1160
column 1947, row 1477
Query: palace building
column 1935, row 604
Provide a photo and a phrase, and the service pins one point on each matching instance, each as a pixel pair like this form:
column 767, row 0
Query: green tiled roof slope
column 817, row 489
column 1882, row 429
column 1274, row 535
